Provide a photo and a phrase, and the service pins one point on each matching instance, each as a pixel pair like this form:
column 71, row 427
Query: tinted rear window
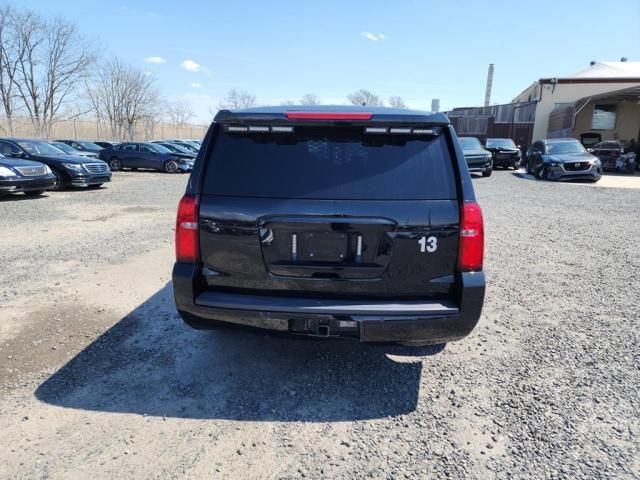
column 330, row 163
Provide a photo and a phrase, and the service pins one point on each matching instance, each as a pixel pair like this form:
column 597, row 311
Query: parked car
column 69, row 170
column 562, row 159
column 506, row 153
column 478, row 159
column 192, row 148
column 356, row 222
column 105, row 144
column 82, row 145
column 72, row 151
column 176, row 149
column 589, row 139
column 135, row 155
column 613, row 157
column 30, row 178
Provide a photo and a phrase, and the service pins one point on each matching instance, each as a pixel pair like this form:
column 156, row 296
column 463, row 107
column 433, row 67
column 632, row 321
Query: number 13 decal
column 428, row 244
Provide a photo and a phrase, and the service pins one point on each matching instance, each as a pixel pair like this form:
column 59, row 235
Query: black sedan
column 30, row 178
column 70, row 171
column 506, row 153
column 82, row 145
column 176, row 149
column 478, row 159
column 136, row 155
column 72, row 151
column 105, row 144
column 562, row 159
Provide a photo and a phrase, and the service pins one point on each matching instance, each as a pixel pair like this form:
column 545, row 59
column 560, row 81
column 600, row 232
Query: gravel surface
column 100, row 377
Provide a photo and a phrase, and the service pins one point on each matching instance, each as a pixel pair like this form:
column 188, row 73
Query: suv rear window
column 339, row 163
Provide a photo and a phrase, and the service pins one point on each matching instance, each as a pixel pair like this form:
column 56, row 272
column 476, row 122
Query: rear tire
column 487, row 172
column 170, row 167
column 115, row 164
column 35, row 193
column 541, row 173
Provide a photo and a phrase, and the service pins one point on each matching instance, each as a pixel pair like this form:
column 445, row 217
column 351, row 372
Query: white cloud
column 155, row 60
column 373, row 36
column 191, row 66
column 197, row 85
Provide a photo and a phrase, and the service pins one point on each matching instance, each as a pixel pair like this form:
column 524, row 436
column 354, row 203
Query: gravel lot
column 98, row 376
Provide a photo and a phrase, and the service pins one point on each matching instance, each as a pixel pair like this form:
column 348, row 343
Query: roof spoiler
column 311, row 117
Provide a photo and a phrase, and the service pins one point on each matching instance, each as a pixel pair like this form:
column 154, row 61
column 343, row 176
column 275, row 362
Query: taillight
column 471, row 251
column 187, row 230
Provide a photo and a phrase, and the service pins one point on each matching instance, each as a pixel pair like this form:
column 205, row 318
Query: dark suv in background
column 562, row 159
column 478, row 159
column 506, row 153
column 334, row 222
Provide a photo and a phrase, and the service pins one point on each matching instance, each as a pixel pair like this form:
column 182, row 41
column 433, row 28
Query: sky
column 278, row 50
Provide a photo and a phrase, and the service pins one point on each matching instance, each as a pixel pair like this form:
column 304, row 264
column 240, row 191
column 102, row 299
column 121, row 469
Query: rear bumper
column 378, row 321
column 27, row 184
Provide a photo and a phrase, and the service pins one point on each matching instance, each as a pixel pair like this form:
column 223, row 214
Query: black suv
column 506, row 153
column 336, row 222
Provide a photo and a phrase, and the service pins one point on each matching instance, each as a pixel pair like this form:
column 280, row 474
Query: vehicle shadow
column 20, row 197
column 149, row 363
column 525, row 176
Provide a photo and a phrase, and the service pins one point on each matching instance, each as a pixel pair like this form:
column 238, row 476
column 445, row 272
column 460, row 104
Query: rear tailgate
column 330, row 211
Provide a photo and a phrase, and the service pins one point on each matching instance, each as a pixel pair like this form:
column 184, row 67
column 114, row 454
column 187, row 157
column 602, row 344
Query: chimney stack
column 487, row 94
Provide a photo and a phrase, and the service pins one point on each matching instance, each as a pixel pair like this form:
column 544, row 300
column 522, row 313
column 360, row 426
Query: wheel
column 541, row 173
column 95, row 187
column 170, row 167
column 61, row 183
column 34, row 193
column 115, row 164
column 487, row 172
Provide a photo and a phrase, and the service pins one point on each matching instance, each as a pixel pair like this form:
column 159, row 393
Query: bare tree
column 397, row 102
column 288, row 103
column 236, row 99
column 123, row 96
column 11, row 50
column 45, row 60
column 309, row 99
column 365, row 97
column 179, row 112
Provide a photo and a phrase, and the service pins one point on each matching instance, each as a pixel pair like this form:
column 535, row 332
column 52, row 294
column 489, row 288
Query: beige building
column 603, row 99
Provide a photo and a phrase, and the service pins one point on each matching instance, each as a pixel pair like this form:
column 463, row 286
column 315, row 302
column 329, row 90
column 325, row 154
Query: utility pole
column 487, row 95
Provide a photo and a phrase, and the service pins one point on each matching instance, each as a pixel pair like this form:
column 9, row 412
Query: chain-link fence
column 78, row 129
